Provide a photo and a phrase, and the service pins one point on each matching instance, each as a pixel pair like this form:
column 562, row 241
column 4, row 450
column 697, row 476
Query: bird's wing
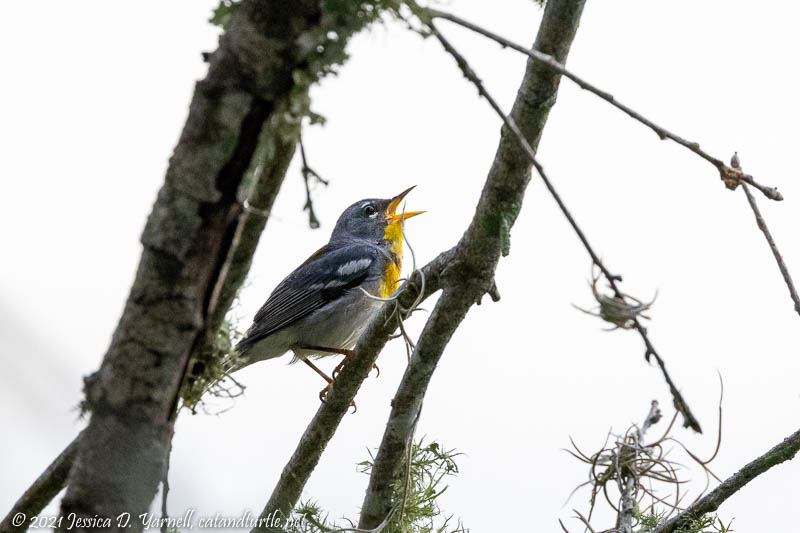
column 322, row 278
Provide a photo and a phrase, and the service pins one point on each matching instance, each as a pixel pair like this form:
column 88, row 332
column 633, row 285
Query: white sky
column 93, row 100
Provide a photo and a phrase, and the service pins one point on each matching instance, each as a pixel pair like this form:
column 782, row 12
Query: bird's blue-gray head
column 371, row 219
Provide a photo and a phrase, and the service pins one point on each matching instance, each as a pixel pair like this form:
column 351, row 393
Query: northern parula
column 320, row 309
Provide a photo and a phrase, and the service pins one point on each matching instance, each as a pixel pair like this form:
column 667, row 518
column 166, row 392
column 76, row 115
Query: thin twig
column 165, row 486
column 309, row 173
column 43, row 490
column 726, row 173
column 653, row 417
column 583, row 519
column 679, row 402
column 762, row 225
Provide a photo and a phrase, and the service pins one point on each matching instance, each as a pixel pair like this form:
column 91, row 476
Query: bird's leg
column 324, row 392
column 346, row 353
column 320, row 372
column 342, row 351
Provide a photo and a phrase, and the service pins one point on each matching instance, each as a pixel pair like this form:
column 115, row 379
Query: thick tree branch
column 709, row 503
column 43, row 490
column 471, row 272
column 276, row 148
column 274, row 154
column 192, row 236
column 731, row 176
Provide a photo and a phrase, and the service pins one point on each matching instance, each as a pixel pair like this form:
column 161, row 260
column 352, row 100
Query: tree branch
column 630, row 447
column 471, row 272
column 529, row 151
column 730, row 176
column 762, row 225
column 680, row 404
column 308, row 174
column 43, row 490
column 270, row 53
column 306, row 456
column 266, row 174
column 784, row 451
column 274, row 154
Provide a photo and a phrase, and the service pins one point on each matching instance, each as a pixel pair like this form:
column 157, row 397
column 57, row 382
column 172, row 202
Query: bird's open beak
column 391, row 209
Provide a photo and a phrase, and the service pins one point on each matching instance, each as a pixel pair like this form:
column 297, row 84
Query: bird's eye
column 369, row 210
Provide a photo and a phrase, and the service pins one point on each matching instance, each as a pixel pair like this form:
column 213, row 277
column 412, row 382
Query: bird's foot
column 324, row 394
column 347, row 355
column 377, row 370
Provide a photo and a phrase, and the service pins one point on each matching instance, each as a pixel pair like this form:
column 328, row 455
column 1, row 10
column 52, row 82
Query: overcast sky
column 94, row 98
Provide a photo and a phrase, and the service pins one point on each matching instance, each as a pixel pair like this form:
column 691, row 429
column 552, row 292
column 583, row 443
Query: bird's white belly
column 337, row 325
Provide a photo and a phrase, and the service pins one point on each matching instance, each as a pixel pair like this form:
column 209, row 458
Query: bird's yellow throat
column 394, row 235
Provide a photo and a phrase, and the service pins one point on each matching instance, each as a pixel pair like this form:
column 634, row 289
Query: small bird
column 321, row 308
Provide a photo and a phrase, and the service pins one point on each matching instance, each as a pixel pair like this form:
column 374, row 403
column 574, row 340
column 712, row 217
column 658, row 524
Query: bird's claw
column 340, row 366
column 324, row 394
column 338, row 369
